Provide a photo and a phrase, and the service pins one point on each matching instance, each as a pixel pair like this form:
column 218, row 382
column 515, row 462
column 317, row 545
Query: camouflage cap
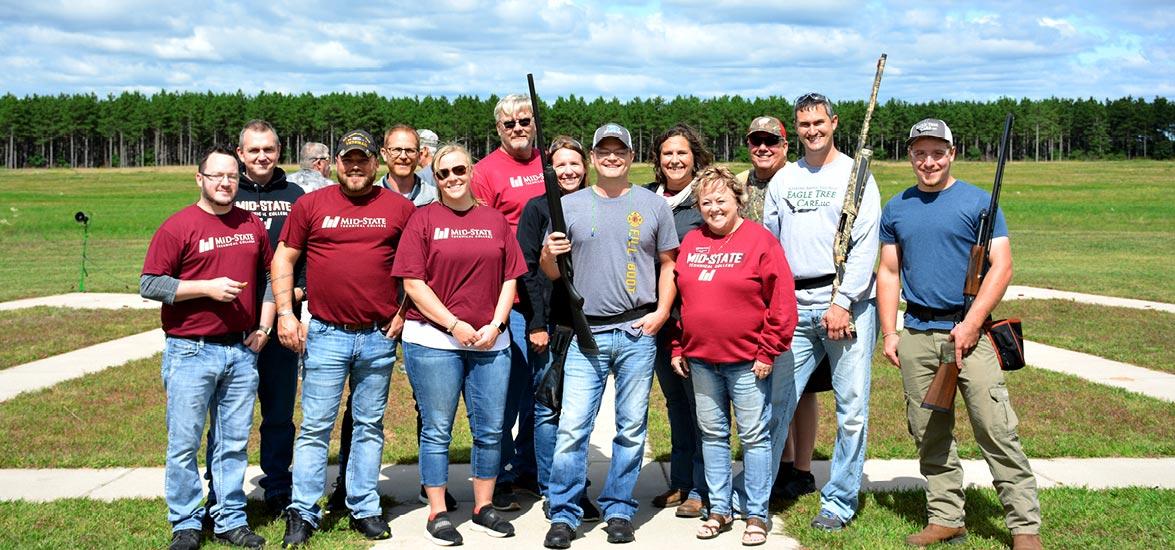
column 931, row 127
column 356, row 140
column 768, row 124
column 428, row 138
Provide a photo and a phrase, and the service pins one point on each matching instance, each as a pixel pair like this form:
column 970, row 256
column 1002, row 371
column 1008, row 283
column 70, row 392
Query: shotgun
column 579, row 322
column 855, row 191
column 940, row 396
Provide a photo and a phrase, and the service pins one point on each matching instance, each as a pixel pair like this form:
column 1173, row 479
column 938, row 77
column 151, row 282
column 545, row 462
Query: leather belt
column 815, row 282
column 228, row 339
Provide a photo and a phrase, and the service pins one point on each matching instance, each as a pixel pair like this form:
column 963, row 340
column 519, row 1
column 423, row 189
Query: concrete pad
column 47, row 372
column 1106, row 473
column 42, row 485
column 1016, row 292
column 84, row 300
column 1152, row 383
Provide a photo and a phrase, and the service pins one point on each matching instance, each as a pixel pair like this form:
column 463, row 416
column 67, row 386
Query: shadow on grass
column 984, row 513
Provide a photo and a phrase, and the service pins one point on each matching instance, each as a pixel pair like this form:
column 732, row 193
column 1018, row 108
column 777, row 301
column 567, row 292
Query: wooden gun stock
column 975, row 271
column 940, row 396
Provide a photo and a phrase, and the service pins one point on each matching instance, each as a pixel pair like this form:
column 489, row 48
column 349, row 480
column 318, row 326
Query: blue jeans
column 518, row 452
column 630, row 359
column 219, row 381
column 332, row 356
column 717, row 387
column 852, row 368
column 686, row 471
column 439, row 377
column 546, row 430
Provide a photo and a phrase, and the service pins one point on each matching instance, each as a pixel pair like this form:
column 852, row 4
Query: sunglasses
column 510, row 124
column 769, row 140
column 459, row 170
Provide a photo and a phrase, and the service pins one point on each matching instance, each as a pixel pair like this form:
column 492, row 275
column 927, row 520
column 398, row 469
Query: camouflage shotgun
column 856, row 189
column 579, row 322
column 940, row 396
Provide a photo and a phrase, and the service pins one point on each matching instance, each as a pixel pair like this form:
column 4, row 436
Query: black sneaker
column 491, row 523
column 441, row 531
column 185, row 539
column 591, row 514
column 298, row 530
column 372, row 527
column 801, row 483
column 504, row 499
column 559, row 535
column 241, row 536
column 276, row 506
column 619, row 531
column 528, row 484
column 450, row 502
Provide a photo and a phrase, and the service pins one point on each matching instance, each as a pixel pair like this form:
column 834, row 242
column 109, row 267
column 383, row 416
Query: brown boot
column 935, row 533
column 1026, row 542
column 672, row 497
column 691, row 508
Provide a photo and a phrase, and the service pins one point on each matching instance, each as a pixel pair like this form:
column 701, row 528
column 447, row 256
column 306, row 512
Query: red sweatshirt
column 738, row 300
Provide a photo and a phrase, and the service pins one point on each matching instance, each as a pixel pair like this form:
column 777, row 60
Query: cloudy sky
column 943, row 50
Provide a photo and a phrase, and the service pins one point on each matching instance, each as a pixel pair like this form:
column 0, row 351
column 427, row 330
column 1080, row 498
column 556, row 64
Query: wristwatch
column 501, row 328
column 264, row 329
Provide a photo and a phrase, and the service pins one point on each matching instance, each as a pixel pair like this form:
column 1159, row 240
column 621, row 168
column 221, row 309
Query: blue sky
column 943, row 50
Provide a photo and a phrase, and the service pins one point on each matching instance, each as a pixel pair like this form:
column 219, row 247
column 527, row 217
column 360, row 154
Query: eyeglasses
column 401, row 151
column 231, row 178
column 459, row 170
column 510, row 124
column 605, row 153
column 769, row 140
column 921, row 156
column 812, row 97
column 316, row 159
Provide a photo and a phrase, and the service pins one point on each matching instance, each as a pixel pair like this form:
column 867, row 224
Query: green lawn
column 36, row 333
column 1098, row 227
column 1073, row 518
column 1140, row 337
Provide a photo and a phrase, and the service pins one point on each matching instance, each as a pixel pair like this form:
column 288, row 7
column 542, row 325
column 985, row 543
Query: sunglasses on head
column 510, row 124
column 459, row 170
column 763, row 139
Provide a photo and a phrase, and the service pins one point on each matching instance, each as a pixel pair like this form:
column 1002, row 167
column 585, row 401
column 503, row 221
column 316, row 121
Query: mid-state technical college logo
column 212, row 243
column 441, row 233
column 522, row 181
column 339, row 222
column 711, row 263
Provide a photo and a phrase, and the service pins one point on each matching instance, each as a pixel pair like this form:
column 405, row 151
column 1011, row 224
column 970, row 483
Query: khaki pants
column 982, row 384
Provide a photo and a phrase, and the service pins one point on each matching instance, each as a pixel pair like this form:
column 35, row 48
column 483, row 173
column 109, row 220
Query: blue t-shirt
column 935, row 233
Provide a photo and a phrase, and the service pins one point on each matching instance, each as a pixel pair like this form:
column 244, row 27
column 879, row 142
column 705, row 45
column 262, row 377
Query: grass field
column 1098, row 227
column 40, row 332
column 1073, row 518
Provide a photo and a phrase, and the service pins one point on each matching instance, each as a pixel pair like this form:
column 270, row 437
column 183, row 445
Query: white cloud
column 1061, row 25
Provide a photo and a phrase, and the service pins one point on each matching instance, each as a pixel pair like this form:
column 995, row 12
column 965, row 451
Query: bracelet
column 264, row 329
column 285, row 312
column 888, row 334
column 453, row 326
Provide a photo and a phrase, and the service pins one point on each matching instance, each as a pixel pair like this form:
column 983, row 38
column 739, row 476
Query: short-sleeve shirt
column 193, row 245
column 504, row 183
column 350, row 245
column 615, row 244
column 464, row 257
column 935, row 232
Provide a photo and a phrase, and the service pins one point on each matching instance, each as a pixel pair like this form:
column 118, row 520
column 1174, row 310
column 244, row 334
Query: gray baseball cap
column 428, row 138
column 931, row 127
column 613, row 130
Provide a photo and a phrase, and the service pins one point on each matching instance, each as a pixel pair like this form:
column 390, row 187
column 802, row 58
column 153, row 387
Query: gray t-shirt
column 614, row 248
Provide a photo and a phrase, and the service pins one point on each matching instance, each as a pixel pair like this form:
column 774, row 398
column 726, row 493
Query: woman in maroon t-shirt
column 459, row 262
column 738, row 313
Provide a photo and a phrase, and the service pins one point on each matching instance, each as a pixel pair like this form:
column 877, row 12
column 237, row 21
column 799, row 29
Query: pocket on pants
column 1003, row 406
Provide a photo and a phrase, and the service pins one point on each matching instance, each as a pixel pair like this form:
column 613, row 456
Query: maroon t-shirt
column 464, row 257
column 350, row 244
column 507, row 185
column 195, row 245
column 738, row 300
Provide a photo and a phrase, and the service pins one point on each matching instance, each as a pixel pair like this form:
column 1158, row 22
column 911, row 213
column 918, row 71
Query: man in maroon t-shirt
column 206, row 263
column 507, row 179
column 349, row 234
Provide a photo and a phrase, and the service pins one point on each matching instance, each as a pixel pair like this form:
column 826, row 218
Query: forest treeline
column 168, row 128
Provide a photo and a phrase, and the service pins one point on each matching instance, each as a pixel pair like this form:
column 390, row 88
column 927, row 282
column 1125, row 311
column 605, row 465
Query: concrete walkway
column 84, row 300
column 47, row 372
column 1016, row 292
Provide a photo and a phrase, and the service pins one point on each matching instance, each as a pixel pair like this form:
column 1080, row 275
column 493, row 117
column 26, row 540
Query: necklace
column 597, row 200
column 729, row 236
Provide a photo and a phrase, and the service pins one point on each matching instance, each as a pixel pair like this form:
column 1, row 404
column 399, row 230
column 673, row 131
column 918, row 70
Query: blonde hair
column 512, row 104
column 715, row 178
column 455, row 149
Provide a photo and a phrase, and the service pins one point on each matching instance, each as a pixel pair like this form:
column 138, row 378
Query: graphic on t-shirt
column 632, row 245
column 213, row 243
column 339, row 222
column 521, row 181
column 441, row 233
column 809, row 199
column 709, row 264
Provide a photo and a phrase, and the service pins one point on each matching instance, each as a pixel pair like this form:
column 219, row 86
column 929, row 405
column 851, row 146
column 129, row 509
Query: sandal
column 714, row 526
column 755, row 533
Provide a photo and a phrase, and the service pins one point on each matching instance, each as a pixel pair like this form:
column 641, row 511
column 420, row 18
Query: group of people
column 720, row 285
